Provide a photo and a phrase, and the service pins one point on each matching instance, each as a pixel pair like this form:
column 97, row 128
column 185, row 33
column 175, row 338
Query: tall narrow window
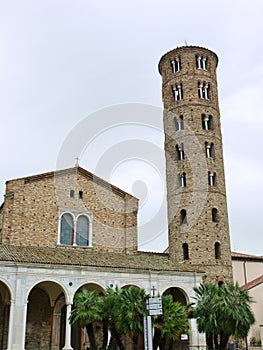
column 209, row 150
column 179, row 123
column 71, row 193
column 182, row 180
column 185, row 251
column 183, row 216
column 214, row 215
column 66, row 229
column 80, row 194
column 204, row 90
column 217, row 250
column 177, row 92
column 180, row 151
column 176, row 64
column 211, row 178
column 82, row 234
column 207, row 122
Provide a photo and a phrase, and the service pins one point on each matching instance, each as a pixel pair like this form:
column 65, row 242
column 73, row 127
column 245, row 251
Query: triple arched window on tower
column 177, row 91
column 75, row 229
column 201, row 62
column 204, row 90
column 176, row 64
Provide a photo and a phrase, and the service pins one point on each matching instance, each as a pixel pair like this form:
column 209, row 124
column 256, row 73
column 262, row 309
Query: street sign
column 154, row 300
column 155, row 312
column 154, row 306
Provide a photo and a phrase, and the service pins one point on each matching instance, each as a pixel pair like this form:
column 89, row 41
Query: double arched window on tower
column 75, row 229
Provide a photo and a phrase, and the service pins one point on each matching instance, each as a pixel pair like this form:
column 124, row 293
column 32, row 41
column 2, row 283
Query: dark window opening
column 183, row 216
column 214, row 215
column 217, row 250
column 185, row 251
column 80, row 194
column 71, row 194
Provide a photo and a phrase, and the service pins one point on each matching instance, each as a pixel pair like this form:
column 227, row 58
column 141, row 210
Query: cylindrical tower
column 196, row 194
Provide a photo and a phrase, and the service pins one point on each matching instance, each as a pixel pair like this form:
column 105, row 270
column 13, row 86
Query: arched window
column 217, row 250
column 66, row 229
column 214, row 215
column 211, row 178
column 179, row 123
column 185, row 251
column 209, row 150
column 180, row 151
column 182, row 180
column 207, row 122
column 82, row 234
column 183, row 216
column 176, row 64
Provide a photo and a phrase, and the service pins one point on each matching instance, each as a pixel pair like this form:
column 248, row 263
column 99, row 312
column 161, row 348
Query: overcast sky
column 63, row 60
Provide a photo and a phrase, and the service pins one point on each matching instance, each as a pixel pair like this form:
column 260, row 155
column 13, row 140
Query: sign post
column 153, row 307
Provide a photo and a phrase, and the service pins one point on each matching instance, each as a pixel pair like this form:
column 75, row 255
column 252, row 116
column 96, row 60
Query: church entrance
column 4, row 312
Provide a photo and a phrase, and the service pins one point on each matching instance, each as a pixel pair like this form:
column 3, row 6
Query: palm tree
column 171, row 323
column 129, row 318
column 221, row 311
column 87, row 310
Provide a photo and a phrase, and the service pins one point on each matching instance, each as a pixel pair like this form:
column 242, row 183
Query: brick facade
column 201, row 233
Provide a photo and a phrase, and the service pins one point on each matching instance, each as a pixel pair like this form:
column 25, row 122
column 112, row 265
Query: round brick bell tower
column 196, row 194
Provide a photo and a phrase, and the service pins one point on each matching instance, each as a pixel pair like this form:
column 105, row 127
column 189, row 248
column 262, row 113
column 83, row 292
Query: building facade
column 67, row 230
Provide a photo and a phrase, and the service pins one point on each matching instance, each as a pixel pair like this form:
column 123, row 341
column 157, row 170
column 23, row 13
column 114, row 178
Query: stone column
column 197, row 340
column 11, row 325
column 17, row 337
column 68, row 330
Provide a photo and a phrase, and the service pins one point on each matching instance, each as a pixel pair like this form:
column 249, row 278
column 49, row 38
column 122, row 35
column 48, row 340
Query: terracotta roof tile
column 253, row 283
column 86, row 257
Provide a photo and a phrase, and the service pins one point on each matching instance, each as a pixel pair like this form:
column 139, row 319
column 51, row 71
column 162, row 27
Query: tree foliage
column 222, row 311
column 121, row 312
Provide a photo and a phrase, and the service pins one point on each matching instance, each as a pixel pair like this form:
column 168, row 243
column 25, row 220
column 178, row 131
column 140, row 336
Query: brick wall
column 33, row 206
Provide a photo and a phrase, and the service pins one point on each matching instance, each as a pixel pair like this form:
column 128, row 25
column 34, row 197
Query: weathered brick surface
column 197, row 198
column 33, row 206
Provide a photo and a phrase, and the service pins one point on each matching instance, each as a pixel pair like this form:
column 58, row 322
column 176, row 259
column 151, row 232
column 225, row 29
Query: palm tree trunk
column 116, row 336
column 223, row 341
column 157, row 338
column 91, row 335
column 209, row 341
column 105, row 334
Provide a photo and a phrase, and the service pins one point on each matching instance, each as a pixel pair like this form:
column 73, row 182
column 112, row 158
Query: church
column 68, row 229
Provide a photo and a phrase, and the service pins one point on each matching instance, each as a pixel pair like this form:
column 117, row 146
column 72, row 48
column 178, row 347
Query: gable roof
column 75, row 170
column 253, row 283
